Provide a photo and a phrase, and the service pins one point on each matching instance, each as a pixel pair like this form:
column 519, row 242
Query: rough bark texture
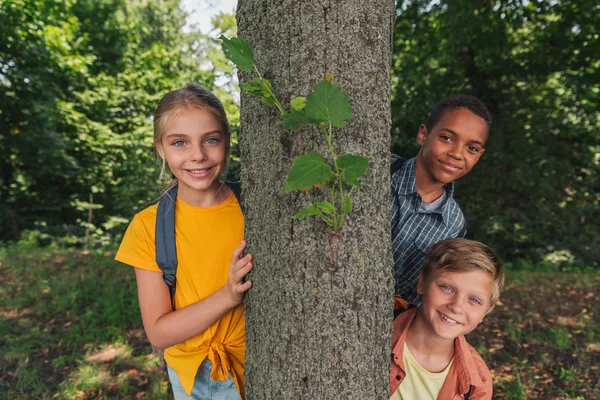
column 317, row 329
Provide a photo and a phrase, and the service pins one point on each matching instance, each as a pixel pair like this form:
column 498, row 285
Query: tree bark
column 317, row 328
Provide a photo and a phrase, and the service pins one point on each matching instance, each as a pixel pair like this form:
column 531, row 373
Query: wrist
column 228, row 297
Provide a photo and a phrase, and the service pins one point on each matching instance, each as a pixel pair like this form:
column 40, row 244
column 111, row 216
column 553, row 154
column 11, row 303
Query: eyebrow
column 456, row 134
column 184, row 135
column 471, row 292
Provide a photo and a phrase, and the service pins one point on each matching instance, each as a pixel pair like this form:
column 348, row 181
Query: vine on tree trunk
column 326, row 107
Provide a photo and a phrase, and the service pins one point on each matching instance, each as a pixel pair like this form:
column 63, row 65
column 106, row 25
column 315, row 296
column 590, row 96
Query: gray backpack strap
column 468, row 394
column 463, row 230
column 236, row 188
column 396, row 165
column 166, row 251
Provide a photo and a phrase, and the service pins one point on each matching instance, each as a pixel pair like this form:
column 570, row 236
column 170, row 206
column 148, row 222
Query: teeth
column 449, row 319
column 198, row 171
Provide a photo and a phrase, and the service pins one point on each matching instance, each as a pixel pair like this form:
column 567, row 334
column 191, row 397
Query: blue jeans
column 204, row 387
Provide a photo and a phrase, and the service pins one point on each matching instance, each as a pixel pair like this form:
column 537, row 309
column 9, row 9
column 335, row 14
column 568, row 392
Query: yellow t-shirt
column 418, row 382
column 205, row 239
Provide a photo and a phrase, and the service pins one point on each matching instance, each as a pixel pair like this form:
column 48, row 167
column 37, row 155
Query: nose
column 198, row 154
column 455, row 305
column 456, row 151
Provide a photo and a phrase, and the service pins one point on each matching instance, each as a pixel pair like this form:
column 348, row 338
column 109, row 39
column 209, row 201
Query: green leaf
column 239, row 52
column 328, row 221
column 353, row 167
column 306, row 211
column 328, row 103
column 325, row 207
column 298, row 103
column 346, row 204
column 259, row 87
column 294, row 120
column 307, row 171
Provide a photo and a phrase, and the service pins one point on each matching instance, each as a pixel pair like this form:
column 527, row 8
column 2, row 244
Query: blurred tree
column 79, row 81
column 535, row 193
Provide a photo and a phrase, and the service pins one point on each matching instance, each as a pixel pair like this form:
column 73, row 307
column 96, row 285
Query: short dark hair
column 471, row 103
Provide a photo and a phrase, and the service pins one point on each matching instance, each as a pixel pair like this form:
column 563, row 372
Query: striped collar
column 404, row 183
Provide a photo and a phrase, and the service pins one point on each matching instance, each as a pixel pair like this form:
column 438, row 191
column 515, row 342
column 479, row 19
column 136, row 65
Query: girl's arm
column 165, row 327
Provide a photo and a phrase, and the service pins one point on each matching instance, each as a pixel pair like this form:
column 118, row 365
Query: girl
column 203, row 330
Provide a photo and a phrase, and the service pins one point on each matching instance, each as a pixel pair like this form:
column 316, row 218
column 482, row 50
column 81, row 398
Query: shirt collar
column 464, row 365
column 408, row 185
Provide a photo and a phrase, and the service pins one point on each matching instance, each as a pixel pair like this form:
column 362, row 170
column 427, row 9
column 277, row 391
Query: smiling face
column 194, row 147
column 454, row 303
column 453, row 146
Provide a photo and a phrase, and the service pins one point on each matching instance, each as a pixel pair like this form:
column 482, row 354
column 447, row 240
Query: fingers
column 239, row 250
column 244, row 287
column 241, row 268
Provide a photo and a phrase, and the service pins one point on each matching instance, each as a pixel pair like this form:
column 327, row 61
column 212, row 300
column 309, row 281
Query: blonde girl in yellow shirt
column 204, row 335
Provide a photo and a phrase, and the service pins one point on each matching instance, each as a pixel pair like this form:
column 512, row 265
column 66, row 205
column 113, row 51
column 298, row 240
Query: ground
column 70, row 329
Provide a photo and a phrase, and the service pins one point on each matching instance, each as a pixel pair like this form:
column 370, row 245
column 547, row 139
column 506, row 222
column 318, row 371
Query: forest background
column 79, row 80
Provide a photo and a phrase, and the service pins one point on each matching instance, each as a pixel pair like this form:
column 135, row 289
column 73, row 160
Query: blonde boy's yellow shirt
column 418, row 382
column 205, row 238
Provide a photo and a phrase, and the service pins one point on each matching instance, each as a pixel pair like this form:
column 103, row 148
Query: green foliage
column 353, row 167
column 298, row 103
column 535, row 193
column 327, row 106
column 79, row 81
column 308, row 171
column 260, row 87
column 239, row 52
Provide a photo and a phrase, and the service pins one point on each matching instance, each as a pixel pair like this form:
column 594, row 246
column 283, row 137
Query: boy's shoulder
column 402, row 172
column 473, row 363
column 467, row 357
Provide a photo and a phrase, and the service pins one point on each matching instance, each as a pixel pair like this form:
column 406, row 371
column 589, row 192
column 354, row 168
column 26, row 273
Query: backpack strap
column 463, row 230
column 236, row 188
column 468, row 394
column 166, row 249
column 396, row 165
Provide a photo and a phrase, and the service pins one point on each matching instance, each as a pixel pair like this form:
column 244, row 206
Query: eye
column 212, row 140
column 446, row 288
column 178, row 143
column 475, row 300
column 446, row 138
column 473, row 149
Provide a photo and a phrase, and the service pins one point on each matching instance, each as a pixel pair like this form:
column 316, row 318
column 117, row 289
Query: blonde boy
column 431, row 359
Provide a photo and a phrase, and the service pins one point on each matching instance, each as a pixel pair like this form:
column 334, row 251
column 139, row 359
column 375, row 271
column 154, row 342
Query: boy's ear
column 421, row 284
column 490, row 309
column 478, row 156
column 421, row 134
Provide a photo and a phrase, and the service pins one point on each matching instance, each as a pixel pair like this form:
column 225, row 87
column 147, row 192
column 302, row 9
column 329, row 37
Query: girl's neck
column 215, row 195
column 429, row 189
column 425, row 344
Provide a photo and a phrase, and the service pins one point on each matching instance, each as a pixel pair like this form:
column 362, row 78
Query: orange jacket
column 468, row 368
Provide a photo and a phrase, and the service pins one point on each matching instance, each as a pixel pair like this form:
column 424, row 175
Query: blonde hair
column 464, row 255
column 192, row 96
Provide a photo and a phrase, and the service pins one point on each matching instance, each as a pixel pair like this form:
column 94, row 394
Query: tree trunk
column 317, row 328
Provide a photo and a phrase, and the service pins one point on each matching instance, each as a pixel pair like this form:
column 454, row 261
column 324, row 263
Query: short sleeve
column 138, row 247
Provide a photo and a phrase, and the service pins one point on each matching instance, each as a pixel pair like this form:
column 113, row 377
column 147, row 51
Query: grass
column 70, row 329
column 542, row 340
